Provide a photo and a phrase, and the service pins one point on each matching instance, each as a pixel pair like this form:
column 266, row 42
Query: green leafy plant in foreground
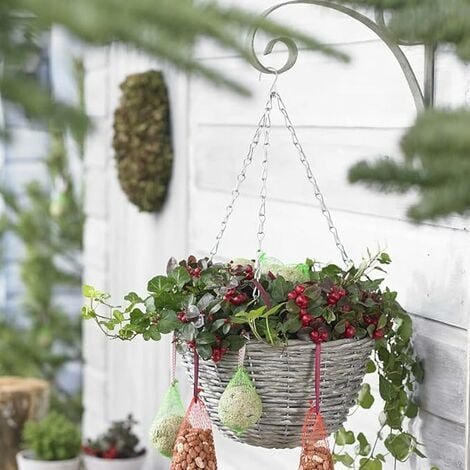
column 214, row 308
column 53, row 438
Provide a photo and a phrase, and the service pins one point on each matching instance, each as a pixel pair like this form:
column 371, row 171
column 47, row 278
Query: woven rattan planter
column 284, row 378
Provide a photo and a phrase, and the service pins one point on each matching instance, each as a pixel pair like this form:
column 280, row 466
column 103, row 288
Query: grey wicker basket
column 284, row 379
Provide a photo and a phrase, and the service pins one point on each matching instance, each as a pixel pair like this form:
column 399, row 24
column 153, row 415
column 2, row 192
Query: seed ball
column 164, row 434
column 240, row 408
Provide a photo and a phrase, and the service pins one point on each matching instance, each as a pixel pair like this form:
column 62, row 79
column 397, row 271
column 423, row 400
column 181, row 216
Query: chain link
column 242, row 175
column 264, row 126
column 311, row 178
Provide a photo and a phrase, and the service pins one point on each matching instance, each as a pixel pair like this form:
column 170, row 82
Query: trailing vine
column 212, row 308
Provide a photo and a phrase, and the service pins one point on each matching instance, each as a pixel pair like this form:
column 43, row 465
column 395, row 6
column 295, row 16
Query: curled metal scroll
column 379, row 28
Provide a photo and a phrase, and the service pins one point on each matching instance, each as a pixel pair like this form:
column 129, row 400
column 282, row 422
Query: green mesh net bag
column 240, row 406
column 167, row 422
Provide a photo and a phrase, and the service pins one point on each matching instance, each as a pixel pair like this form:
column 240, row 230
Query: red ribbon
column 317, row 377
column 263, row 293
column 196, row 376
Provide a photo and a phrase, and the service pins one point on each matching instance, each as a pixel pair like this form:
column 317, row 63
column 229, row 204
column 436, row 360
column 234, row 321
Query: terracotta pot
column 25, row 461
column 94, row 463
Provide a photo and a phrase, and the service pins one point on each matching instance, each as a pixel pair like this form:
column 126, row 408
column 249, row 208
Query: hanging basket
column 284, row 379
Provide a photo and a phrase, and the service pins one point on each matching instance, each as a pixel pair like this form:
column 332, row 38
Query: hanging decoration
column 142, row 140
column 169, row 417
column 281, row 313
column 194, row 448
column 240, row 406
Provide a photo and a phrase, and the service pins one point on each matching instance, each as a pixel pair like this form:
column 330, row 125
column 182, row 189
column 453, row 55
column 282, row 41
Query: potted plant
column 51, row 444
column 116, row 449
column 214, row 309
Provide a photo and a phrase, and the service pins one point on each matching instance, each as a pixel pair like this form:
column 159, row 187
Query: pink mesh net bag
column 316, row 454
column 194, row 447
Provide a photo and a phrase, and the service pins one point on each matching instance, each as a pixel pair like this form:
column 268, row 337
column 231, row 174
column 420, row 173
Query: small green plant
column 118, row 442
column 53, row 438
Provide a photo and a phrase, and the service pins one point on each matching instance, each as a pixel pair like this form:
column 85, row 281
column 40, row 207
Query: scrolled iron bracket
column 423, row 98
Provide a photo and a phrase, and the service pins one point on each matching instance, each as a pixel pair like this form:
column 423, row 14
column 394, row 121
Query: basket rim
column 295, row 343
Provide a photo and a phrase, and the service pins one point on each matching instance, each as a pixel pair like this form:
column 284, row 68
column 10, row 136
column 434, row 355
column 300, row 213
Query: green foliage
column 118, row 442
column 142, row 140
column 164, row 29
column 42, row 337
column 53, row 438
column 212, row 308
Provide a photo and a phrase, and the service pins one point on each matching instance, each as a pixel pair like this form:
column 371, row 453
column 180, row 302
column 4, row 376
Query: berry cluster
column 379, row 333
column 218, row 353
column 319, row 335
column 302, row 301
column 182, row 317
column 335, row 294
column 194, row 272
column 247, row 272
column 349, row 331
column 234, row 297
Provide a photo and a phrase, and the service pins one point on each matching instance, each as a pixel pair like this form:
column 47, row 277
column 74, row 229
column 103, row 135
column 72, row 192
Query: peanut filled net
column 194, row 448
column 316, row 454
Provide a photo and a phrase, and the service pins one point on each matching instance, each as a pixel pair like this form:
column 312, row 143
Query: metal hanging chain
column 242, row 175
column 310, row 176
column 264, row 187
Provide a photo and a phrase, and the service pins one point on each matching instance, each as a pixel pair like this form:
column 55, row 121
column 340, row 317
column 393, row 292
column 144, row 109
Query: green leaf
column 136, row 315
column 279, row 289
column 343, row 437
column 345, row 459
column 205, row 338
column 118, row 316
column 364, row 448
column 133, row 298
column 411, row 410
column 88, row 291
column 405, row 331
column 400, row 445
column 328, row 315
column 370, row 464
column 168, row 322
column 188, row 332
column 154, row 333
column 273, row 310
column 146, row 335
column 384, row 258
column 235, row 342
column 383, row 320
column 226, row 328
column 204, row 351
column 217, row 324
column 386, row 389
column 370, row 367
column 160, row 284
column 365, row 399
column 418, row 371
column 180, row 276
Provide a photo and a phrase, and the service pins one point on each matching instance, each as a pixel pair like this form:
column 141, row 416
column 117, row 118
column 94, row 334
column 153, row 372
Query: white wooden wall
column 343, row 113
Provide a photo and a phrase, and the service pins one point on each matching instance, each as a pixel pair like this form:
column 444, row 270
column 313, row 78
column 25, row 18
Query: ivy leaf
column 370, row 464
column 400, row 445
column 88, row 291
column 384, row 258
column 364, row 447
column 411, row 410
column 150, row 305
column 136, row 315
column 386, row 389
column 370, row 367
column 343, row 437
column 365, row 399
column 405, row 331
column 160, row 284
column 345, row 459
column 118, row 316
column 154, row 333
column 180, row 276
column 168, row 322
column 133, row 298
column 418, row 371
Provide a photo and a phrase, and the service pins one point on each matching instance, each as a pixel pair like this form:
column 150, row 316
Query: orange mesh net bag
column 316, row 454
column 194, row 447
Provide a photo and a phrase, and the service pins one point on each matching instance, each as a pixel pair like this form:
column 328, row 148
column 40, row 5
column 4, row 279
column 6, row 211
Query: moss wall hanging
column 142, row 140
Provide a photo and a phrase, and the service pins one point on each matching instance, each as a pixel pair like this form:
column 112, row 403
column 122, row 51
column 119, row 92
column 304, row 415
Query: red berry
column 249, row 276
column 324, row 335
column 315, row 336
column 217, row 354
column 191, row 344
column 303, row 311
column 182, row 317
column 346, row 308
column 350, row 331
column 249, row 268
column 292, row 295
column 196, row 272
column 302, row 301
column 110, row 453
column 306, row 320
column 378, row 334
column 300, row 289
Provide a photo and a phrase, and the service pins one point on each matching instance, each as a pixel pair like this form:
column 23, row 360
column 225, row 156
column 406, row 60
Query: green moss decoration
column 142, row 140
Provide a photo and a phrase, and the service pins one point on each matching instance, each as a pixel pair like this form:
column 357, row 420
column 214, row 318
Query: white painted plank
column 429, row 281
column 98, row 143
column 96, row 243
column 96, row 196
column 26, row 144
column 96, row 92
